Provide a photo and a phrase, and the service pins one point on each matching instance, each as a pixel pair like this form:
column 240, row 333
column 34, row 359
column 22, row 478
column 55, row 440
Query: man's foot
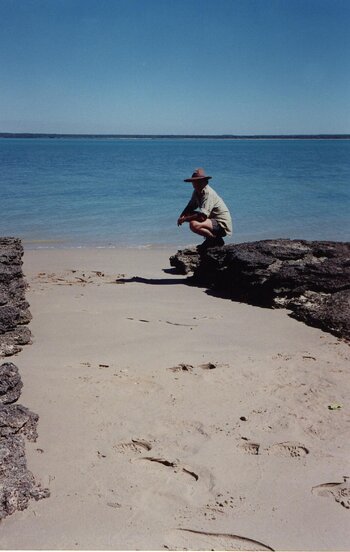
column 210, row 242
column 218, row 242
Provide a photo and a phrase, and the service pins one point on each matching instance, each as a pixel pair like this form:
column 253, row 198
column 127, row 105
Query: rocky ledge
column 311, row 278
column 17, row 483
column 14, row 309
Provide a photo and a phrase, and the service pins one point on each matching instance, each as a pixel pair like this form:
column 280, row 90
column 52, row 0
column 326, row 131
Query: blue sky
column 175, row 66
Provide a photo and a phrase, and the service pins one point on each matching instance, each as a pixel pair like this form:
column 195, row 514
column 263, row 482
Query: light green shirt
column 212, row 206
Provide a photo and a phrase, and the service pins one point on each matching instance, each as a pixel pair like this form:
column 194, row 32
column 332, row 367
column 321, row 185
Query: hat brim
column 196, row 178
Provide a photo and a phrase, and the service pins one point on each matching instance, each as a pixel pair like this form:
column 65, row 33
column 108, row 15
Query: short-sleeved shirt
column 212, row 206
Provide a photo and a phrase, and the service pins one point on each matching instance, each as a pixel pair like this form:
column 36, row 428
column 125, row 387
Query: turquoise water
column 129, row 192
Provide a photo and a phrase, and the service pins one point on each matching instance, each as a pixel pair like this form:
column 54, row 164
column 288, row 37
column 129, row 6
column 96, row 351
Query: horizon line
column 140, row 135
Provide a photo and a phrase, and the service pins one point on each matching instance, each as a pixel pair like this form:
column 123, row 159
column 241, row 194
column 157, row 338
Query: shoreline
column 155, row 246
column 57, row 245
column 167, row 415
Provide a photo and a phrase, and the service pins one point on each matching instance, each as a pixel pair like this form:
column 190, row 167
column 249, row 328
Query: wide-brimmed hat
column 198, row 174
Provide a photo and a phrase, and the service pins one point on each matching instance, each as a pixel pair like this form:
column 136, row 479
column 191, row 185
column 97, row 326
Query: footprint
column 182, row 367
column 171, row 464
column 339, row 491
column 294, row 450
column 185, row 427
column 114, row 504
column 190, row 539
column 208, row 366
column 135, row 445
column 251, row 448
column 222, row 503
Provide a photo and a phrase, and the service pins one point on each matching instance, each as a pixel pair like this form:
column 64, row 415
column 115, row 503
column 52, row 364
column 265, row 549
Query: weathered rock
column 22, row 335
column 185, row 260
column 310, row 278
column 17, row 484
column 10, row 383
column 15, row 418
column 330, row 312
column 14, row 309
column 9, row 318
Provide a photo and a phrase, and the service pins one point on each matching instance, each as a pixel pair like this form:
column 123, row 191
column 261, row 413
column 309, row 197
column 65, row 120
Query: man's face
column 198, row 185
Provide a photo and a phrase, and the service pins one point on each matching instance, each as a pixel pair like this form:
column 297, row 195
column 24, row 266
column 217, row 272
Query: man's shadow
column 155, row 281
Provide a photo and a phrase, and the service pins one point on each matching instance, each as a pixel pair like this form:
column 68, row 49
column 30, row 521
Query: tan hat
column 198, row 174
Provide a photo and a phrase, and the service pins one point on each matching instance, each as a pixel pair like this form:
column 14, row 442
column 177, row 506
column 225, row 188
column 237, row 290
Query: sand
column 172, row 419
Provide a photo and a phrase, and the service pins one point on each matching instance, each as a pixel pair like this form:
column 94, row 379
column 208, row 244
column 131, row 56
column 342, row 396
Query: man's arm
column 192, row 215
column 189, row 213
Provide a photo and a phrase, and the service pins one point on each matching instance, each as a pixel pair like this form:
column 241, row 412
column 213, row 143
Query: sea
column 129, row 192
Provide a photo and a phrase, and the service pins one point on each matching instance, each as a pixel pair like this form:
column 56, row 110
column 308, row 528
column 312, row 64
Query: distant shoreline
column 179, row 136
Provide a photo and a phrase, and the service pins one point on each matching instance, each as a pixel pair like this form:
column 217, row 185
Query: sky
column 175, row 66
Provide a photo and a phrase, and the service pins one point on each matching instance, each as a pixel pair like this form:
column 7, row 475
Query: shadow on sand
column 155, row 281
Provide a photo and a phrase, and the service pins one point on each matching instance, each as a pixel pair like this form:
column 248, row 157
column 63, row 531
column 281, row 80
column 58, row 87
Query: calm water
column 129, row 192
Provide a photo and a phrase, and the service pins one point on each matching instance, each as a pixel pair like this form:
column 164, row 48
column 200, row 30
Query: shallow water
column 129, row 192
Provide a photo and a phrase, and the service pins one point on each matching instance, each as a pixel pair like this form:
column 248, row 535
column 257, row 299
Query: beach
column 174, row 419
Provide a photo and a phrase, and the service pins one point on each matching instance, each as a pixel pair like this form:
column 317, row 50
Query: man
column 206, row 212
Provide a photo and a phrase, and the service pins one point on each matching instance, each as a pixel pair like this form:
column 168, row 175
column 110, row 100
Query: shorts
column 218, row 230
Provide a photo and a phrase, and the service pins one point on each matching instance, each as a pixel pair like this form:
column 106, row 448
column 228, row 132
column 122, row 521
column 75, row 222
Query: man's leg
column 211, row 231
column 204, row 229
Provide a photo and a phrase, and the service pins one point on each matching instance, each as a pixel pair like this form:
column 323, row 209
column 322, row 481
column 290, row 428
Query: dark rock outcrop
column 14, row 309
column 15, row 418
column 17, row 483
column 330, row 312
column 185, row 261
column 312, row 278
column 10, row 383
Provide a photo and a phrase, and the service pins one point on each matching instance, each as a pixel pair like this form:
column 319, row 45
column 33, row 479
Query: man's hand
column 201, row 217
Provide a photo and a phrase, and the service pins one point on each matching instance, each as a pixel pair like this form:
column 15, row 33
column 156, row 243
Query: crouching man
column 206, row 212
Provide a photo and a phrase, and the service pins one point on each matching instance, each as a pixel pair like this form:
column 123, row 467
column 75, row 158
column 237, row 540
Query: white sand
column 135, row 452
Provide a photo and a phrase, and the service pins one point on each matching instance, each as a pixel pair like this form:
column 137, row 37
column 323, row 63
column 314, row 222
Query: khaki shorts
column 218, row 230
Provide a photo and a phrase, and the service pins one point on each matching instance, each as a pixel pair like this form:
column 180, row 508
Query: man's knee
column 195, row 225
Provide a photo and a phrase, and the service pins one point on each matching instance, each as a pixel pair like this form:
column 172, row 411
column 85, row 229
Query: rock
column 14, row 309
column 17, row 484
column 185, row 261
column 330, row 312
column 10, row 383
column 15, row 418
column 312, row 278
column 21, row 335
column 9, row 318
